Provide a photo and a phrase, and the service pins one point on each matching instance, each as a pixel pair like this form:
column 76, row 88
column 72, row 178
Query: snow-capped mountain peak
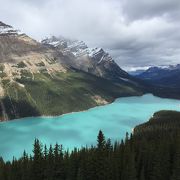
column 6, row 29
column 164, row 67
column 93, row 60
column 77, row 48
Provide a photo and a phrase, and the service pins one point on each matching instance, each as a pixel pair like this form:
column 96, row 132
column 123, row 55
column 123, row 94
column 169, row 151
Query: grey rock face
column 92, row 60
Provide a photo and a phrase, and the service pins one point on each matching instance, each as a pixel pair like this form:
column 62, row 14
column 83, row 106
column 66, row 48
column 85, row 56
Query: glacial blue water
column 81, row 128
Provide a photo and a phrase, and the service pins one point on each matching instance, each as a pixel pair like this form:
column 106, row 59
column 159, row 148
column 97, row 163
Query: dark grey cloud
column 139, row 9
column 136, row 33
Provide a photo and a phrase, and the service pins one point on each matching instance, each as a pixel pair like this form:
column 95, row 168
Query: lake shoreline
column 52, row 116
column 64, row 114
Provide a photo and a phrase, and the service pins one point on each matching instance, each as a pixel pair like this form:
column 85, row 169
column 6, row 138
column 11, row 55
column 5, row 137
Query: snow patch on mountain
column 77, row 48
column 6, row 29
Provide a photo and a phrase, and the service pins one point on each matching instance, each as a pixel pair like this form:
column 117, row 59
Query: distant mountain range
column 56, row 76
column 165, row 76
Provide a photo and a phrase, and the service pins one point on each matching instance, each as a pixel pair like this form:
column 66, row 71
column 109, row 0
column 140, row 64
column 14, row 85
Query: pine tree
column 37, row 161
column 176, row 165
column 129, row 169
column 25, row 166
column 142, row 174
column 109, row 146
column 45, row 152
column 58, row 162
column 50, row 163
column 101, row 141
column 1, row 168
column 101, row 157
column 45, row 162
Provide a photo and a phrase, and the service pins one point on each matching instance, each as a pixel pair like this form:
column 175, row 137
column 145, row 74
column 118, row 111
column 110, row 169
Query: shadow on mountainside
column 13, row 109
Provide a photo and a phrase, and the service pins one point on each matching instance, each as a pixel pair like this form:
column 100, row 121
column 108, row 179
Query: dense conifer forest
column 151, row 153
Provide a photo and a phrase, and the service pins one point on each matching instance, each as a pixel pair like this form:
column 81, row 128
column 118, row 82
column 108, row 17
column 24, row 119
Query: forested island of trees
column 152, row 152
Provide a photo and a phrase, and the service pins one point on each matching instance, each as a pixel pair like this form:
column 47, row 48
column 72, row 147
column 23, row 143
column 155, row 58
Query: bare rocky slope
column 37, row 79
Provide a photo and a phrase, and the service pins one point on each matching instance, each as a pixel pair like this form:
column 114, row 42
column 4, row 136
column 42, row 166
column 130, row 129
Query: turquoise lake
column 81, row 128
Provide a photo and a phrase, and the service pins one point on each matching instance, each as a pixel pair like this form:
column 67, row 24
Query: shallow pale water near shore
column 81, row 128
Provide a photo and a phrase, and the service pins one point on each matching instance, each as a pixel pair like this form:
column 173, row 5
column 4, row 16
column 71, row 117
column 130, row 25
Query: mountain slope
column 62, row 93
column 39, row 80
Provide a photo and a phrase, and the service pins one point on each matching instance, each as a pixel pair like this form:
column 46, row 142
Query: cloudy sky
column 135, row 32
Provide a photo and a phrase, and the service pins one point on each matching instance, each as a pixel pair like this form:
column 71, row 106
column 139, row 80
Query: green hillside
column 58, row 93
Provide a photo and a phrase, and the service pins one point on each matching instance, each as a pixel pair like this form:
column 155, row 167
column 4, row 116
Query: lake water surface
column 81, row 128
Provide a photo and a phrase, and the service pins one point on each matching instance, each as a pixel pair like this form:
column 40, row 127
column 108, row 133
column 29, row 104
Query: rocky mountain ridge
column 92, row 60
